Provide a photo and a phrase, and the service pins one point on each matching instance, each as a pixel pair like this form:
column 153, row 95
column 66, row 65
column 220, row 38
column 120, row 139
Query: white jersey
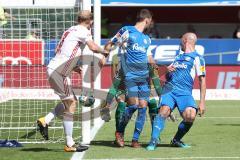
column 69, row 49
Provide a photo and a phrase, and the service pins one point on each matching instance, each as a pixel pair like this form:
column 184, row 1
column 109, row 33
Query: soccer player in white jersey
column 187, row 65
column 68, row 52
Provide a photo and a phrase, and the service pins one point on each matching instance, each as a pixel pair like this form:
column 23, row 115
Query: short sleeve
column 149, row 51
column 121, row 36
column 85, row 35
column 200, row 66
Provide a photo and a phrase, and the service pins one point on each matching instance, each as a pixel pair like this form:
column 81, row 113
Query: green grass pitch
column 214, row 136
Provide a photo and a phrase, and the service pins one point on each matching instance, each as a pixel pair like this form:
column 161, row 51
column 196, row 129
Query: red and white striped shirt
column 69, row 49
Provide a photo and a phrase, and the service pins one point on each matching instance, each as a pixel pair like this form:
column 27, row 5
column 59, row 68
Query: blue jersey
column 187, row 66
column 134, row 45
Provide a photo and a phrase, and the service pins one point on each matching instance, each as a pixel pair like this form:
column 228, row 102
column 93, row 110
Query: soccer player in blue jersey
column 134, row 63
column 187, row 65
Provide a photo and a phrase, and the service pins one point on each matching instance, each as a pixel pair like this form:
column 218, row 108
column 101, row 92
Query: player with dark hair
column 187, row 65
column 117, row 91
column 134, row 66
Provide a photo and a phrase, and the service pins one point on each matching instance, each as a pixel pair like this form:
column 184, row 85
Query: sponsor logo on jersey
column 180, row 65
column 136, row 47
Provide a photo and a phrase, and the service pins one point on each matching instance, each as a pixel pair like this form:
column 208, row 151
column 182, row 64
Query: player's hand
column 102, row 62
column 201, row 109
column 105, row 53
column 155, row 66
column 171, row 68
column 105, row 111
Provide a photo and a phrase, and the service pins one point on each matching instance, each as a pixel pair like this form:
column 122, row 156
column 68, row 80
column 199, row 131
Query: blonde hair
column 84, row 15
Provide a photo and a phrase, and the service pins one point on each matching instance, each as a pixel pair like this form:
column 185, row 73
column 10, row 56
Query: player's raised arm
column 118, row 40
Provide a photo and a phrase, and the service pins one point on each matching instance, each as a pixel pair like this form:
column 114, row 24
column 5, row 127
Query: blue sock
column 183, row 128
column 158, row 126
column 126, row 117
column 139, row 122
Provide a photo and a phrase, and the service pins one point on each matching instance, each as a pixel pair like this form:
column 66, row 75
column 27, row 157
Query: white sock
column 57, row 111
column 68, row 128
column 70, row 141
column 49, row 117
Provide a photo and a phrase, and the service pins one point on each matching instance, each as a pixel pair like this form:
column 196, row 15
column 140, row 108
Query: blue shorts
column 138, row 89
column 180, row 101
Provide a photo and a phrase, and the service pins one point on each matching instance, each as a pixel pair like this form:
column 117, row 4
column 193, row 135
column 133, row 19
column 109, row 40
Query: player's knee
column 189, row 114
column 164, row 111
column 120, row 98
column 70, row 105
column 142, row 103
column 133, row 101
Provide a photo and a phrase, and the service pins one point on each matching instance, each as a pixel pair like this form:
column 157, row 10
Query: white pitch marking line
column 80, row 155
column 220, row 117
column 174, row 158
column 179, row 158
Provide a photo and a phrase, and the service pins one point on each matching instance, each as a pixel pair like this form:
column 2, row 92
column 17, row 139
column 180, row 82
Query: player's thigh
column 143, row 91
column 187, row 107
column 62, row 86
column 56, row 82
column 132, row 92
column 70, row 105
column 167, row 99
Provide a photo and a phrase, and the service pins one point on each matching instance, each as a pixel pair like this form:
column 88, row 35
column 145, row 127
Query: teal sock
column 158, row 126
column 139, row 122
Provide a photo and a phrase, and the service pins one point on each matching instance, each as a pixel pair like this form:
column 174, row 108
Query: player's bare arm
column 202, row 85
column 102, row 62
column 152, row 62
column 108, row 46
column 97, row 49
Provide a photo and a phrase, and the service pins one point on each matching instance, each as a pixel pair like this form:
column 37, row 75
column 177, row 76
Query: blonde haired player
column 68, row 52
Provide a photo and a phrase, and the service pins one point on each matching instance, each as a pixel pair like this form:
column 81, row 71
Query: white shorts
column 61, row 85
